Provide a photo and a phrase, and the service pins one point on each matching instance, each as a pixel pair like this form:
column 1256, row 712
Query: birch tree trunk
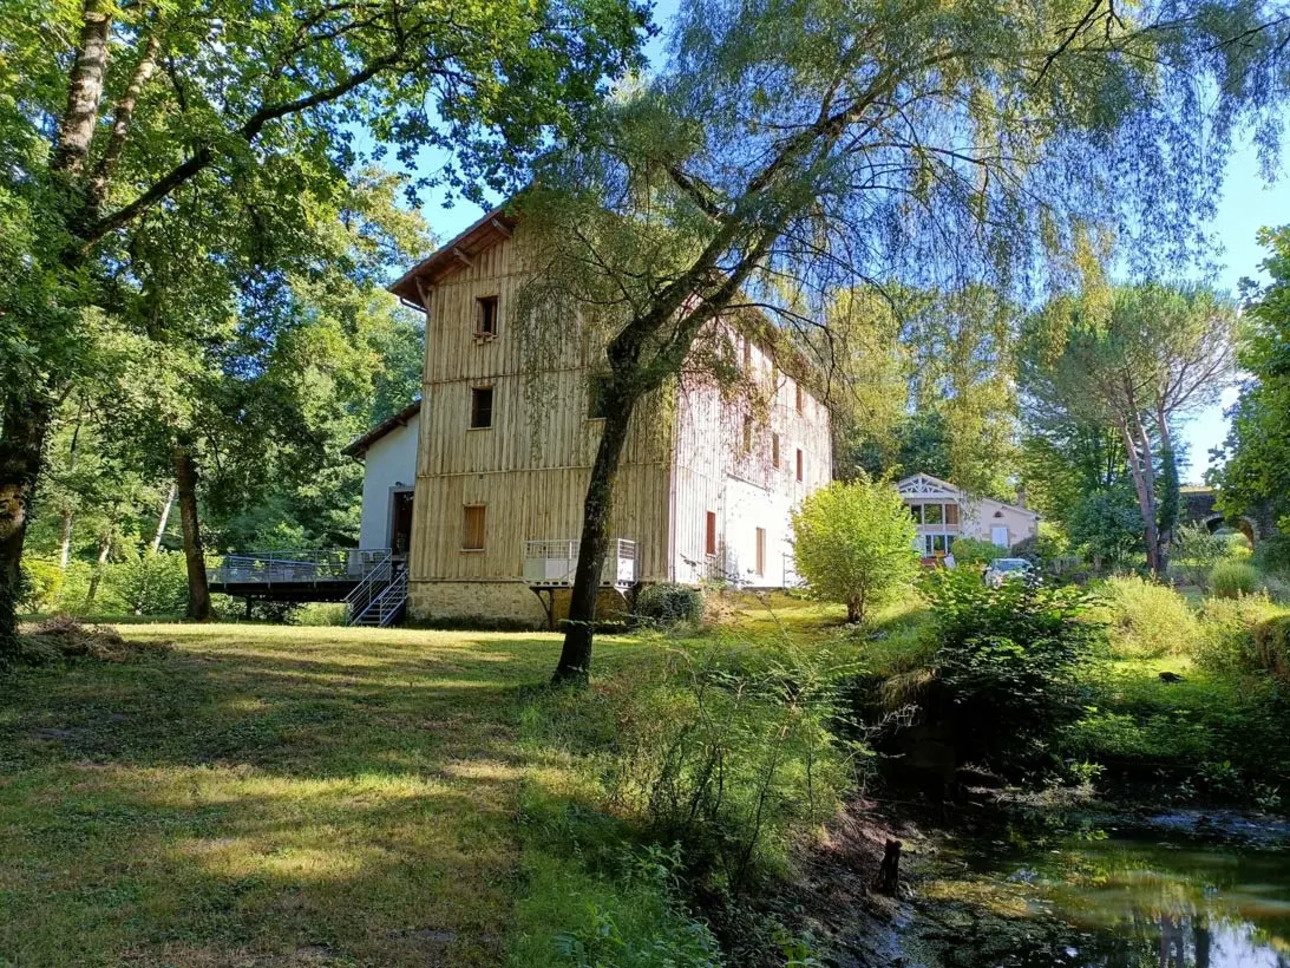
column 161, row 522
column 105, row 548
column 65, row 548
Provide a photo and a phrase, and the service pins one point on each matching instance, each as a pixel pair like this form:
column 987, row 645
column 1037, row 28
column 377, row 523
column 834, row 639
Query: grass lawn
column 269, row 796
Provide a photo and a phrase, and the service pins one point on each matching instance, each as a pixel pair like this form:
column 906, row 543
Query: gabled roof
column 451, row 257
column 925, row 485
column 401, row 419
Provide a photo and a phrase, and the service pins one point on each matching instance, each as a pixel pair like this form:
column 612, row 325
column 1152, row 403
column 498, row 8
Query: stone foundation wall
column 490, row 601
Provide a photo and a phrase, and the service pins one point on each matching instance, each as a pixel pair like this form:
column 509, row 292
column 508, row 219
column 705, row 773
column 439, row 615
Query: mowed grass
column 264, row 796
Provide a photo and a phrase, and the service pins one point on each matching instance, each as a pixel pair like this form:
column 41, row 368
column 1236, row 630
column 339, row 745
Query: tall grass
column 1149, row 620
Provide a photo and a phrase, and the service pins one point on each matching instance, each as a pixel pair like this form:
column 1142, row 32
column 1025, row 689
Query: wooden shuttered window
column 710, row 534
column 951, row 514
column 761, row 552
column 486, row 316
column 472, row 537
column 800, row 402
column 801, row 464
column 774, row 449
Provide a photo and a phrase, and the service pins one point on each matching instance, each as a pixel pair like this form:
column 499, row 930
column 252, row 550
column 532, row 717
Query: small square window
column 472, row 536
column 486, row 316
column 481, row 408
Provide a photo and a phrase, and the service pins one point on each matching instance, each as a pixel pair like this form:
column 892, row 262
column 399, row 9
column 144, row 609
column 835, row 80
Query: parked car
column 1008, row 569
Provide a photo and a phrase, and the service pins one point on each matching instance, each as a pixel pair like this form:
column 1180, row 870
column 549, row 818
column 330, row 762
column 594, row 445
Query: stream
column 1112, row 900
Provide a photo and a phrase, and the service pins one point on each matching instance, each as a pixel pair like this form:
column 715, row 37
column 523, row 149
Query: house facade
column 942, row 513
column 504, row 455
column 389, row 455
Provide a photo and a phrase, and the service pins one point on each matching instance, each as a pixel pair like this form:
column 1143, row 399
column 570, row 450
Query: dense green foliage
column 1232, row 579
column 667, row 604
column 1148, row 619
column 1007, row 660
column 1256, row 474
column 975, row 551
column 854, row 544
column 1132, row 361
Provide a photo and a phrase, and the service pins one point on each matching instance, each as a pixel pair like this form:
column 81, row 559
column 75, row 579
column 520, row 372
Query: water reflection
column 1128, row 904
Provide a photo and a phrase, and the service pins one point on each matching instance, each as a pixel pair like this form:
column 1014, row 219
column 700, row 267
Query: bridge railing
column 297, row 567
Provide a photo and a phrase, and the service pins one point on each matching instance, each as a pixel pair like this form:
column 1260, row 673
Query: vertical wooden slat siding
column 530, row 470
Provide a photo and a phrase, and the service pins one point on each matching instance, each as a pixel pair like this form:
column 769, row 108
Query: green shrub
column 854, row 543
column 321, row 613
column 668, row 603
column 1232, row 579
column 1273, row 552
column 1226, row 641
column 729, row 753
column 42, row 584
column 1272, row 644
column 1148, row 619
column 1006, row 663
column 151, row 584
column 1196, row 553
column 974, row 551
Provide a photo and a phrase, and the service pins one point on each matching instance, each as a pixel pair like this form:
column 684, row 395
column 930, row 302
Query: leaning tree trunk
column 1142, row 484
column 161, row 521
column 575, row 656
column 21, row 442
column 105, row 549
column 199, row 595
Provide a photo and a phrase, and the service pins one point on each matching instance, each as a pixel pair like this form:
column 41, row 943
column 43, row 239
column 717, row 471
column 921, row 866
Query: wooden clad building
column 705, row 486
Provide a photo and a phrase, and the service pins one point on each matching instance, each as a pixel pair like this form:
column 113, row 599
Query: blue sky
column 1246, row 206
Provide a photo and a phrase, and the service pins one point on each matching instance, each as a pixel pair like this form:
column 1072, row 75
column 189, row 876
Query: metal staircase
column 380, row 598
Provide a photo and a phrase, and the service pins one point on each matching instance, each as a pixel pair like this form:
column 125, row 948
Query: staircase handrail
column 366, row 591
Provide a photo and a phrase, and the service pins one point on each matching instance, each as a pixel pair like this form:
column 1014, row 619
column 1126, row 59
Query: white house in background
column 389, row 455
column 942, row 513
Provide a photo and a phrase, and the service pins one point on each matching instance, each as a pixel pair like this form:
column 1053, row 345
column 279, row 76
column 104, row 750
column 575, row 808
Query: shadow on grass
column 267, row 796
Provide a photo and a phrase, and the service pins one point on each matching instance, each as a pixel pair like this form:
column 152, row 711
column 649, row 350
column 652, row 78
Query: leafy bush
column 42, row 584
column 151, row 584
column 668, row 603
column 1006, row 664
column 974, row 551
column 1273, row 552
column 728, row 753
column 1148, row 619
column 1272, row 642
column 1226, row 641
column 1106, row 526
column 321, row 613
column 854, row 544
column 1196, row 553
column 1232, row 579
column 1048, row 545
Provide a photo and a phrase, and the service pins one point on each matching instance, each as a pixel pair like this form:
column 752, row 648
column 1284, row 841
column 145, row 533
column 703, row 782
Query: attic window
column 800, row 402
column 998, row 514
column 486, row 316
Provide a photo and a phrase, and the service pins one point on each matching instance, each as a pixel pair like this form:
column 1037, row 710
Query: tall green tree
column 117, row 113
column 1136, row 360
column 1256, row 468
column 795, row 147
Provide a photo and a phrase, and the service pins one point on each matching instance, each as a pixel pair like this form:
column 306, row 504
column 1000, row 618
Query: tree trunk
column 1168, row 506
column 199, row 596
column 575, row 656
column 1142, row 484
column 105, row 549
column 21, row 442
column 65, row 547
column 161, row 521
column 84, row 90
